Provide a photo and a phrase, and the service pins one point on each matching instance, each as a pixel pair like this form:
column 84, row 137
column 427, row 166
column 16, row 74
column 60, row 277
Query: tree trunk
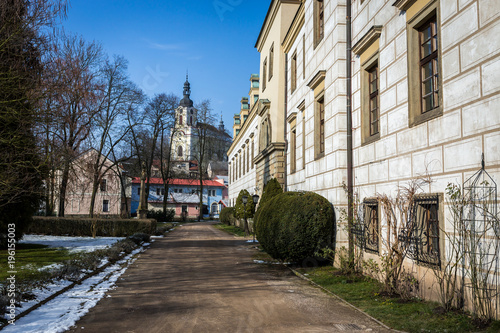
column 62, row 191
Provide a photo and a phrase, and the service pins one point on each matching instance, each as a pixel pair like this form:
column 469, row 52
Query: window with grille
column 426, row 230
column 371, row 227
column 321, row 113
column 293, row 149
column 294, row 72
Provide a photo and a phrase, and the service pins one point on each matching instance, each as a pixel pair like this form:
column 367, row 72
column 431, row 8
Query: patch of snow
column 74, row 244
column 64, row 311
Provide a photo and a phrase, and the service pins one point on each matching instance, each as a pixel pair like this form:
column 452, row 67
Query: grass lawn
column 413, row 316
column 231, row 229
column 30, row 257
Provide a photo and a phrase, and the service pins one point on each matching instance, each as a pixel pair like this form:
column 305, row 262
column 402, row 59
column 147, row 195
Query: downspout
column 285, row 153
column 350, row 208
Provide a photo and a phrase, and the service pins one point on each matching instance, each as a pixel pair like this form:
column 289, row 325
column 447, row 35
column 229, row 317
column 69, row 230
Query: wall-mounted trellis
column 480, row 236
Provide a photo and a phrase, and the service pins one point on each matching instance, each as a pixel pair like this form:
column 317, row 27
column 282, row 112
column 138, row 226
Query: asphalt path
column 201, row 279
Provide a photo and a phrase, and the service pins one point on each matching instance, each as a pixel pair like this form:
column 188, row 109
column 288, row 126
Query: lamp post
column 255, row 198
column 244, row 199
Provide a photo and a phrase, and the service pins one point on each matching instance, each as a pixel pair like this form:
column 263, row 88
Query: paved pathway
column 200, row 279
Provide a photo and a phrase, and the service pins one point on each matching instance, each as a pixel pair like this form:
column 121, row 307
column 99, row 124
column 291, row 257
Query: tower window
column 180, row 119
column 179, row 151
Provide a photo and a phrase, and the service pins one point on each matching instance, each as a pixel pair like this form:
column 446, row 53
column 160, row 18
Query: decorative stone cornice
column 291, row 117
column 317, row 79
column 372, row 35
column 273, row 146
column 403, row 4
column 302, row 105
column 264, row 104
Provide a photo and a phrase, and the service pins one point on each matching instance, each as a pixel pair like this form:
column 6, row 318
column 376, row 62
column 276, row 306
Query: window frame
column 366, row 113
column 371, row 214
column 415, row 116
column 103, row 185
column 293, row 150
column 105, row 206
column 319, row 113
column 271, row 62
column 264, row 74
column 421, row 229
column 293, row 74
column 319, row 21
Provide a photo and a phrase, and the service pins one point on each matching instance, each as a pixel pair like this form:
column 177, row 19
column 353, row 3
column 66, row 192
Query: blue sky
column 212, row 39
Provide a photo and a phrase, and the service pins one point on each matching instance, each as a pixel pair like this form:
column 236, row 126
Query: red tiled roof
column 176, row 181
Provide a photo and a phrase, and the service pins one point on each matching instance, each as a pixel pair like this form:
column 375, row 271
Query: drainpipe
column 350, row 208
column 285, row 153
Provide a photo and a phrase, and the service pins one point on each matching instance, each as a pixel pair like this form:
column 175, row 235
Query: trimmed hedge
column 227, row 215
column 272, row 189
column 160, row 217
column 292, row 226
column 61, row 226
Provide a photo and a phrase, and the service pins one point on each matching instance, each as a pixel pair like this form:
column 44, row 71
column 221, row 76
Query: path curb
column 300, row 275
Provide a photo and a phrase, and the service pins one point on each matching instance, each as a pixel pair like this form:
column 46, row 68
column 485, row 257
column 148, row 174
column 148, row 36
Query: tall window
column 105, row 206
column 425, row 100
column 371, row 224
column 294, row 72
column 293, row 150
column 319, row 21
column 321, row 121
column 428, row 40
column 304, row 56
column 252, row 154
column 248, row 158
column 374, row 105
column 264, row 74
column 271, row 60
column 104, row 185
column 243, row 164
column 180, row 119
column 426, row 229
column 179, row 151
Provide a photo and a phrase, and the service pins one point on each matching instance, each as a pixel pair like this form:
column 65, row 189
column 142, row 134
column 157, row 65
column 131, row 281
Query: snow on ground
column 64, row 311
column 74, row 244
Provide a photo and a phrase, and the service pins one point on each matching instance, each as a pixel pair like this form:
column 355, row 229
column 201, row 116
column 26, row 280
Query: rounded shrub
column 272, row 189
column 226, row 215
column 292, row 226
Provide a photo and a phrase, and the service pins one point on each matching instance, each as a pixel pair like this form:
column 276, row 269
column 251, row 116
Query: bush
column 60, row 226
column 293, row 226
column 160, row 217
column 139, row 238
column 272, row 189
column 227, row 215
column 239, row 208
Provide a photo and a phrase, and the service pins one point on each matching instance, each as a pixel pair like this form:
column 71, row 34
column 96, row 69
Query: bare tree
column 158, row 117
column 118, row 94
column 205, row 140
column 77, row 93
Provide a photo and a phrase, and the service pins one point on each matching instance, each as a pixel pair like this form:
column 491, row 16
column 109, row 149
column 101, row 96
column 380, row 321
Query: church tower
column 186, row 119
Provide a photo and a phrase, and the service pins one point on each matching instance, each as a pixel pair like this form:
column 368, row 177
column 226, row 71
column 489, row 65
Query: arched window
column 180, row 119
column 179, row 151
column 191, row 120
column 215, row 208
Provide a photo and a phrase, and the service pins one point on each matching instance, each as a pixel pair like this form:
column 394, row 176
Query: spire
column 186, row 101
column 221, row 124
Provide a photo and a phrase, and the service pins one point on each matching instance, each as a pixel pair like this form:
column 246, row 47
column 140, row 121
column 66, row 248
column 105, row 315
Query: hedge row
column 61, row 226
column 293, row 226
column 227, row 215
